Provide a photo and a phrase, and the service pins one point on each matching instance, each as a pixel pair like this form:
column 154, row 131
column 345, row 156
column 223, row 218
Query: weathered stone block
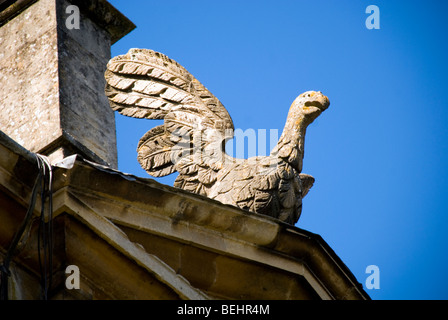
column 52, row 79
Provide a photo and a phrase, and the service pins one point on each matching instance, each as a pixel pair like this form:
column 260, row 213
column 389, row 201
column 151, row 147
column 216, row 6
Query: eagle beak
column 316, row 103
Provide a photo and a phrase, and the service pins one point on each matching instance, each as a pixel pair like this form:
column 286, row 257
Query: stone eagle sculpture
column 147, row 84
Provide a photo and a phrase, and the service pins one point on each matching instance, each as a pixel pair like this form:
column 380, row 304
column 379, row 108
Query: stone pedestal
column 52, row 77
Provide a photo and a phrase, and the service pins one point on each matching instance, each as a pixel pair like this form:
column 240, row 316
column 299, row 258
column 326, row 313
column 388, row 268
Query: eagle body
column 147, row 84
column 260, row 185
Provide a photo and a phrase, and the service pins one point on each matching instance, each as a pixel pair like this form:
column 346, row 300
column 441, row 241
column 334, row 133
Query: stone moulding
column 125, row 210
column 11, row 8
column 118, row 239
column 100, row 11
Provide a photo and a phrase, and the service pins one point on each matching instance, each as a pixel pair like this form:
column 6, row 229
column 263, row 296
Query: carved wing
column 147, row 84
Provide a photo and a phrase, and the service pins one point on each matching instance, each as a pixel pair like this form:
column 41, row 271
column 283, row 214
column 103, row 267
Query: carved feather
column 142, row 73
column 147, row 84
column 154, row 152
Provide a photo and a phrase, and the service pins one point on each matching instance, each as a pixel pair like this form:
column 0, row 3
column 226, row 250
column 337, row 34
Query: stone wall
column 29, row 91
column 52, row 79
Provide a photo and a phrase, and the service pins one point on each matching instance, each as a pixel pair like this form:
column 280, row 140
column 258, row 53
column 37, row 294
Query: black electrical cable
column 45, row 231
column 4, row 268
column 41, row 233
column 44, row 181
column 50, row 224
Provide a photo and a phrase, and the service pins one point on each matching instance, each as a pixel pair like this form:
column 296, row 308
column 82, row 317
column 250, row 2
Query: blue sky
column 379, row 153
